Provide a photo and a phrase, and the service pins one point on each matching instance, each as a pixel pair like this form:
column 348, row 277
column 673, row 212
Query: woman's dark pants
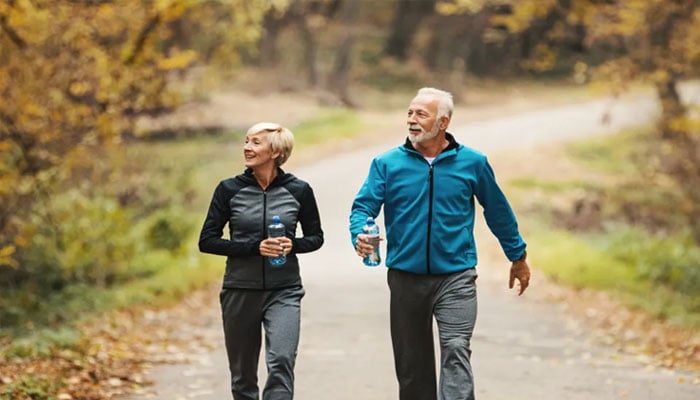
column 278, row 313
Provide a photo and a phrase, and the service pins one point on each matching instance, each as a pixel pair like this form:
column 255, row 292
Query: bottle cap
column 370, row 221
column 275, row 219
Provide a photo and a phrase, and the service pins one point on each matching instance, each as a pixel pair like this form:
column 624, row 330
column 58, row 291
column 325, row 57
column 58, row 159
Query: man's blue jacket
column 429, row 209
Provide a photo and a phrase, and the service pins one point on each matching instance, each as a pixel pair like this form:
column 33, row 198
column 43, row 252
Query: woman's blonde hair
column 280, row 138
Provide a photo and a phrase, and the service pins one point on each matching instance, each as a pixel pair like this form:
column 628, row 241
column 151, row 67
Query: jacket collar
column 451, row 143
column 281, row 177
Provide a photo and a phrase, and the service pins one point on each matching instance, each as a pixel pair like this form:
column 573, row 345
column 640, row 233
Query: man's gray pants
column 278, row 312
column 415, row 300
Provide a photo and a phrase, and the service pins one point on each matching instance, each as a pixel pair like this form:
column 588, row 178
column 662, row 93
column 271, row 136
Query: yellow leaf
column 6, row 256
column 177, row 61
column 106, row 10
column 79, row 88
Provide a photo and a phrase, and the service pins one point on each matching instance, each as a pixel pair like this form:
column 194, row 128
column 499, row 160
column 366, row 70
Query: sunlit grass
column 549, row 186
column 588, row 261
column 613, row 154
column 329, row 125
column 566, row 258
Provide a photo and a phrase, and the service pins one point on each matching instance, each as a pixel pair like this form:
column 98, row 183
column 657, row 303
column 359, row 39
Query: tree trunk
column 310, row 52
column 339, row 78
column 267, row 47
column 407, row 18
column 672, row 107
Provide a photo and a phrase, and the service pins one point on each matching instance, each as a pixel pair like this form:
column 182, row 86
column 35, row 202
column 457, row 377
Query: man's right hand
column 363, row 246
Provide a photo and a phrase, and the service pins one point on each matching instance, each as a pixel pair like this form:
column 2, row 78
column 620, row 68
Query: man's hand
column 363, row 246
column 520, row 271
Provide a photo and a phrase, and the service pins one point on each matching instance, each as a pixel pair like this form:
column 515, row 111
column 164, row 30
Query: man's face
column 422, row 121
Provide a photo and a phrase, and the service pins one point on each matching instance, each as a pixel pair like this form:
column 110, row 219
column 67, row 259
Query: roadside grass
column 596, row 261
column 658, row 272
column 328, row 125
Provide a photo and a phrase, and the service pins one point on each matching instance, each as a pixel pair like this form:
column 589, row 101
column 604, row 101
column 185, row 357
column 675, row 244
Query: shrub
column 672, row 261
column 168, row 229
column 30, row 387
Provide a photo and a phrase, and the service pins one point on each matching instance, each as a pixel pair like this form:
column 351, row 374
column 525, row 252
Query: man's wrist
column 523, row 257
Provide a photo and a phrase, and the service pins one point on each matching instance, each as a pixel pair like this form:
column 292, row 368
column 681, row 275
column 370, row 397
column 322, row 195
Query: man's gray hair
column 445, row 102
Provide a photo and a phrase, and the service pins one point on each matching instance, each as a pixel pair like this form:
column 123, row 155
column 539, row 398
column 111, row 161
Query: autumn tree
column 75, row 76
column 649, row 41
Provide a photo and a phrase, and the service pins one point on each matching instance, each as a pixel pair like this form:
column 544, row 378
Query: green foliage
column 162, row 277
column 672, row 261
column 168, row 229
column 31, row 387
column 44, row 343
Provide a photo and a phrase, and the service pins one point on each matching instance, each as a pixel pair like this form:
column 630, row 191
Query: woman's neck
column 265, row 175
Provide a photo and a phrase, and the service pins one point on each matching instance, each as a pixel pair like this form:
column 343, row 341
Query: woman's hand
column 272, row 247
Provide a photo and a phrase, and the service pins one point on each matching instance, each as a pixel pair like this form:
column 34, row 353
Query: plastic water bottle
column 276, row 229
column 371, row 229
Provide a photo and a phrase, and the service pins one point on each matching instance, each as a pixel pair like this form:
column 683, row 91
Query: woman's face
column 257, row 151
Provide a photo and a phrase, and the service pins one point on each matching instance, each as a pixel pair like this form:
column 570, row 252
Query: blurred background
column 117, row 118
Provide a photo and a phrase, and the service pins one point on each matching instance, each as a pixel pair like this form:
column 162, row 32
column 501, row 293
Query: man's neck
column 433, row 147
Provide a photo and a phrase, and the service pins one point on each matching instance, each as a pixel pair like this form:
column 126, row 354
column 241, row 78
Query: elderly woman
column 256, row 293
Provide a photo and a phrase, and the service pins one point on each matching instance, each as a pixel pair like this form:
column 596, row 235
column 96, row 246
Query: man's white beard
column 424, row 135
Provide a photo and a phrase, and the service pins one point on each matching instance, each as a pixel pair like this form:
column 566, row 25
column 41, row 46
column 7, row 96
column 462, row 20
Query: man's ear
column 444, row 122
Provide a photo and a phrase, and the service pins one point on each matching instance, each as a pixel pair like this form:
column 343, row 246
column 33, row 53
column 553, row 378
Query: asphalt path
column 523, row 347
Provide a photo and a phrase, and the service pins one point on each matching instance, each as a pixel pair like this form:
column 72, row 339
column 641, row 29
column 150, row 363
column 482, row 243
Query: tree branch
column 141, row 40
column 14, row 37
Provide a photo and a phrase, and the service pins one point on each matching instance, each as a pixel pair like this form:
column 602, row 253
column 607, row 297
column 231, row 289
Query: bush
column 77, row 240
column 168, row 229
column 31, row 387
column 44, row 343
column 672, row 261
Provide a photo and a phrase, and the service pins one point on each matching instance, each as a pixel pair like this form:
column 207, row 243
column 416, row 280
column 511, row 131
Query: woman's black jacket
column 248, row 209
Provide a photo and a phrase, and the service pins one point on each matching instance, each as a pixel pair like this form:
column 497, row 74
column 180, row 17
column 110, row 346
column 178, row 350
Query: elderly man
column 427, row 187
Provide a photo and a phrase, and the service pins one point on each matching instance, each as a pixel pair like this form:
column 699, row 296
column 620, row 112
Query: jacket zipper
column 430, row 218
column 264, row 236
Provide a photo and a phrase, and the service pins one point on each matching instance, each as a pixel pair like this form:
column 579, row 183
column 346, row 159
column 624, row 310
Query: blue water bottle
column 371, row 229
column 276, row 229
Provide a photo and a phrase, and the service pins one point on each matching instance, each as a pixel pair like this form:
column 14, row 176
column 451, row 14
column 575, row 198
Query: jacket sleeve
column 369, row 200
column 310, row 220
column 498, row 213
column 211, row 238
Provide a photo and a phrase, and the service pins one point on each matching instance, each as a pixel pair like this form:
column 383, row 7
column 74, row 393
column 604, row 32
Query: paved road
column 523, row 347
